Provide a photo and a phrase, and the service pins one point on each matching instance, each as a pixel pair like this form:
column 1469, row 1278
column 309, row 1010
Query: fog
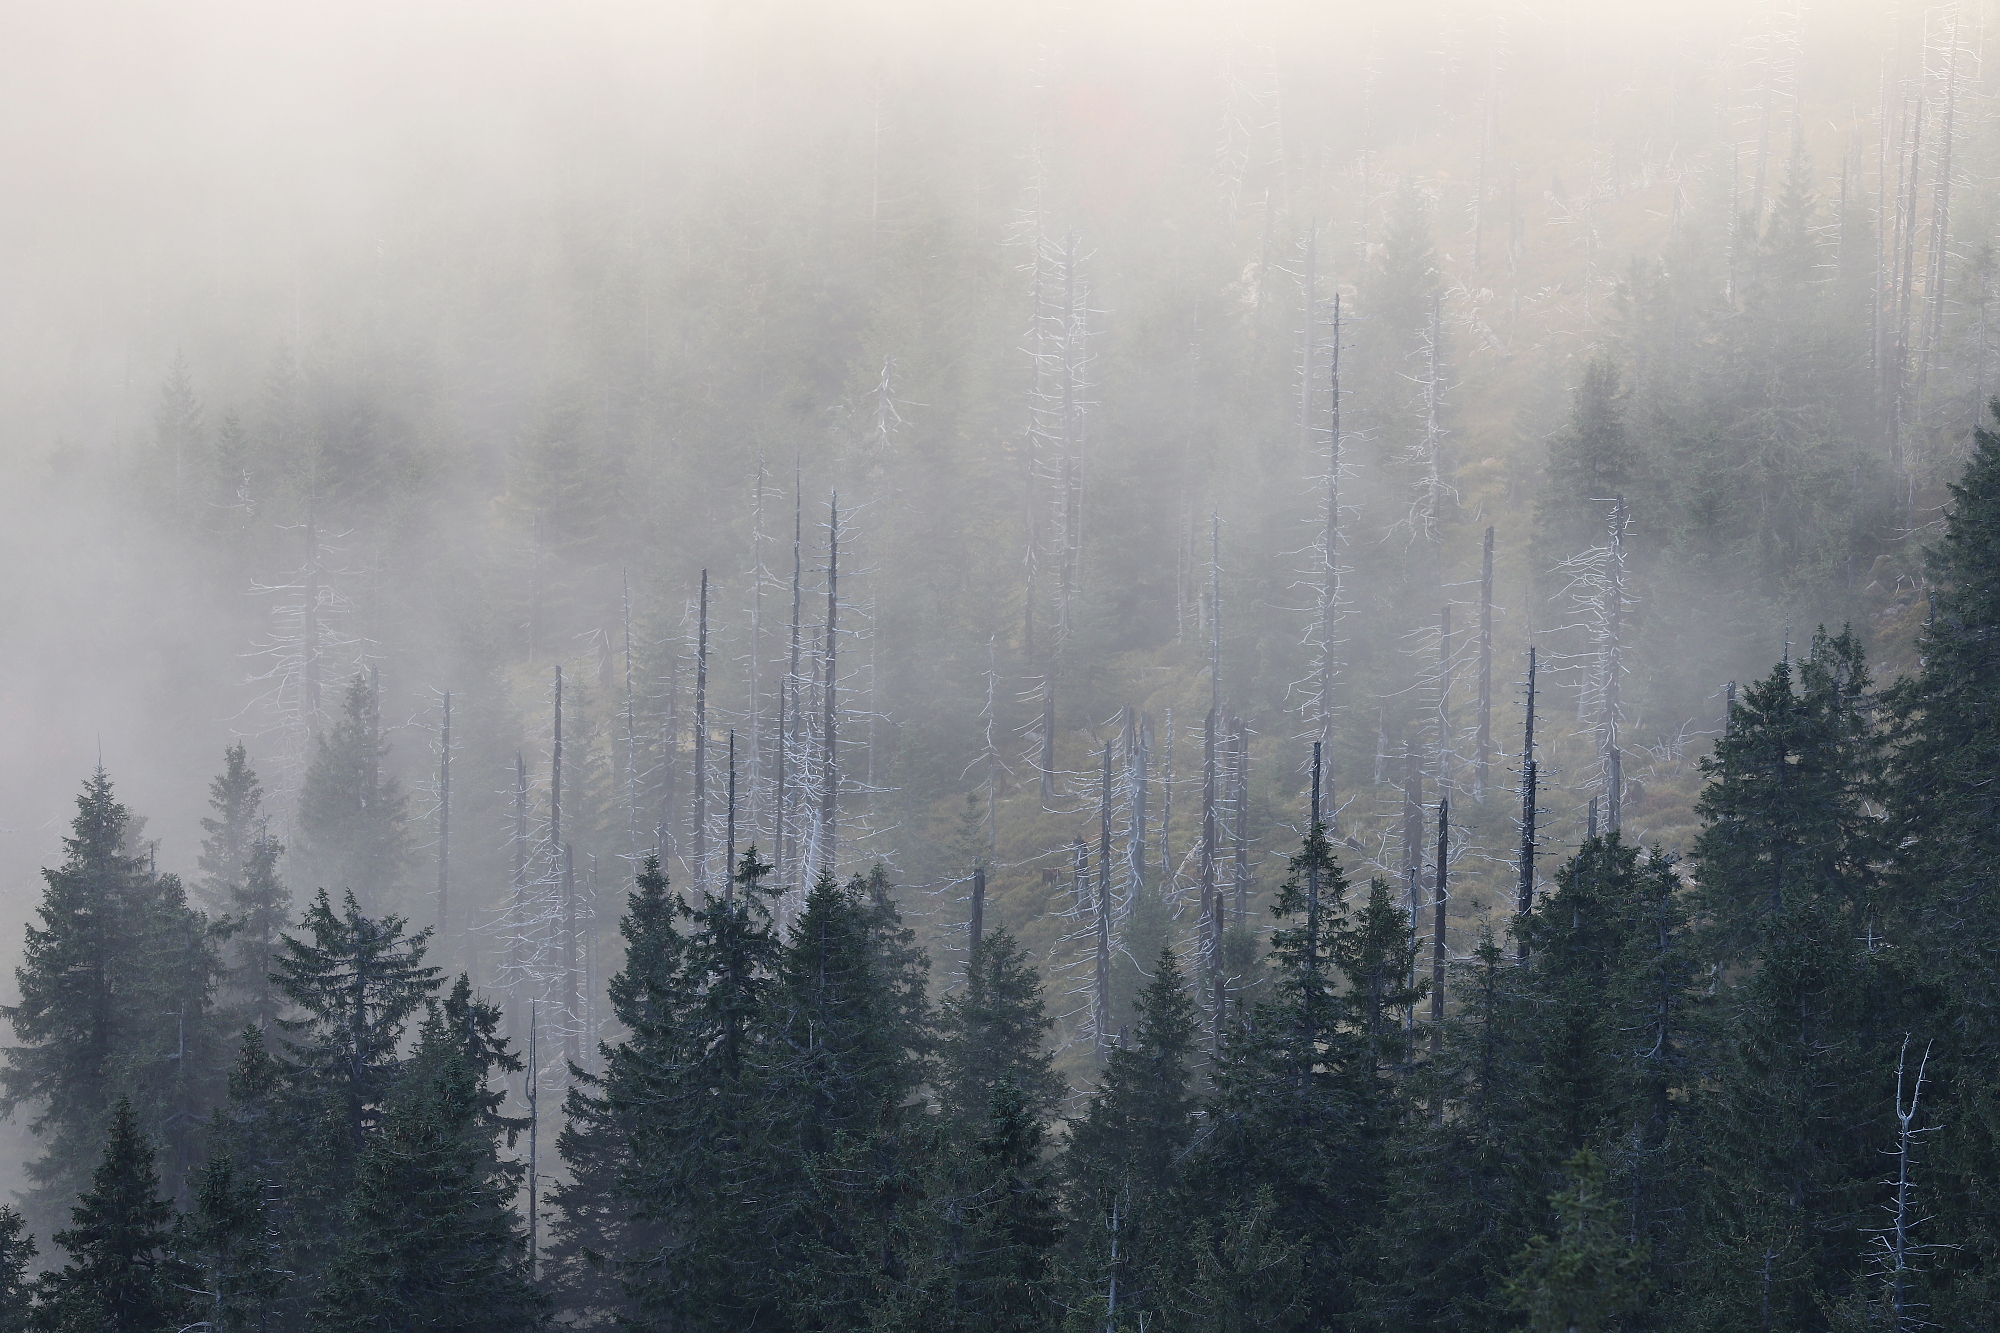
column 517, row 302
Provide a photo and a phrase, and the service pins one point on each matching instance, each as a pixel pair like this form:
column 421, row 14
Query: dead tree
column 829, row 792
column 444, row 827
column 1524, row 890
column 788, row 707
column 1102, row 1010
column 701, row 739
column 1437, row 927
column 1483, row 745
column 1243, row 823
column 976, row 928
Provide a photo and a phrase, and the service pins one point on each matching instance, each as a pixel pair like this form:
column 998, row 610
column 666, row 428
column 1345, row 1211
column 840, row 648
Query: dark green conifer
column 353, row 818
column 432, row 1240
column 17, row 1286
column 115, row 992
column 121, row 1276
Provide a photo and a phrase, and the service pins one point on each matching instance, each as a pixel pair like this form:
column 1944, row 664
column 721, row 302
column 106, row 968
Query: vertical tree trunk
column 1167, row 805
column 1524, row 889
column 1614, row 662
column 444, row 830
column 829, row 796
column 520, row 886
column 977, row 929
column 701, row 739
column 1438, row 928
column 1102, row 1021
column 631, row 734
column 1446, row 761
column 788, row 726
column 309, row 631
column 1329, row 597
column 1484, row 744
column 1241, row 839
column 1211, row 900
column 729, row 845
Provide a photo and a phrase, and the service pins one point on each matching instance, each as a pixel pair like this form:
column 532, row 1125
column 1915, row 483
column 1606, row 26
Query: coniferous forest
column 883, row 667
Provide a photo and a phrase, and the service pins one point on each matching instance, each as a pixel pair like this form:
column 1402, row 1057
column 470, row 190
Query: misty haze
column 874, row 666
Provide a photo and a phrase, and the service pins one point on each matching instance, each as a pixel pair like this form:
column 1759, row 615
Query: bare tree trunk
column 1438, row 931
column 309, row 629
column 1614, row 666
column 788, row 723
column 1102, row 1018
column 1484, row 744
column 1524, row 891
column 1243, row 823
column 444, row 831
column 514, row 918
column 829, row 796
column 729, row 852
column 701, row 739
column 977, row 929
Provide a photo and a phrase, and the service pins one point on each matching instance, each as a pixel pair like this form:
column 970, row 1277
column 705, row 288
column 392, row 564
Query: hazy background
column 551, row 279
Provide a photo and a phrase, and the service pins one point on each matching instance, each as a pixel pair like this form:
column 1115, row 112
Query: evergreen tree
column 1788, row 860
column 1122, row 1164
column 115, row 988
column 121, row 1277
column 1304, row 1099
column 995, row 1027
column 261, row 909
column 1591, row 459
column 1586, row 1276
column 432, row 1240
column 1457, row 1213
column 353, row 819
column 244, row 1224
column 237, row 797
column 698, row 1157
column 598, row 1246
column 356, row 982
column 1944, row 813
column 17, row 1287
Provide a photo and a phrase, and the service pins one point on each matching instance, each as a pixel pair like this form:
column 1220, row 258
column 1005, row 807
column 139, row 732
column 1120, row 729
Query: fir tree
column 121, row 1277
column 1787, row 866
column 432, row 1240
column 17, row 1287
column 995, row 1027
column 115, row 988
column 599, row 1243
column 1585, row 1277
column 356, row 982
column 352, row 818
column 697, row 1157
column 237, row 798
column 1945, row 815
column 1303, row 1102
column 1122, row 1164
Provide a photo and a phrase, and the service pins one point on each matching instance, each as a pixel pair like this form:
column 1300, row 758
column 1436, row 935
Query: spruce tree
column 353, row 819
column 17, row 1287
column 1944, row 813
column 121, row 1276
column 848, row 1027
column 698, row 1155
column 1122, row 1164
column 995, row 1027
column 432, row 1240
column 1459, row 1207
column 1304, row 1094
column 356, row 982
column 1787, row 867
column 115, row 992
column 237, row 797
column 1585, row 1276
column 244, row 1227
column 600, row 1237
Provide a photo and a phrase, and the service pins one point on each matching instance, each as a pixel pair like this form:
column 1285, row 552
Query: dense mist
column 968, row 447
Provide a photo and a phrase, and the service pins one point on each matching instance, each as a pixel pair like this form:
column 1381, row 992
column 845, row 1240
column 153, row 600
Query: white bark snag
column 1484, row 744
column 444, row 827
column 1242, row 813
column 1437, row 927
column 701, row 738
column 788, row 706
column 1102, row 1013
column 829, row 795
column 1524, row 889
